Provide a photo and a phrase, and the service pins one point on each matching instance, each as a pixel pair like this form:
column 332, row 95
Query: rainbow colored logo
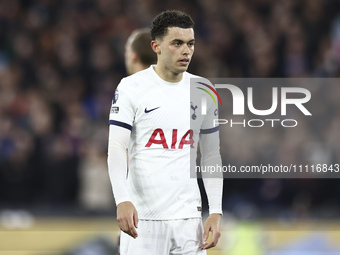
column 209, row 93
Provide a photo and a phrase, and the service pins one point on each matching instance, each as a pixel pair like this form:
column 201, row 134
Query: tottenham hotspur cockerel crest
column 193, row 116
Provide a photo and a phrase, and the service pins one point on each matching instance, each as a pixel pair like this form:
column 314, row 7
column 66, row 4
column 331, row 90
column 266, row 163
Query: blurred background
column 60, row 62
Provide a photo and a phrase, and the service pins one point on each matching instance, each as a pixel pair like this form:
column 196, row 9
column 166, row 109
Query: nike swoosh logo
column 147, row 111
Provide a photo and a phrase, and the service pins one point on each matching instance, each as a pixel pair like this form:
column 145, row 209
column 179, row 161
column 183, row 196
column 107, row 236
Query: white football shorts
column 165, row 237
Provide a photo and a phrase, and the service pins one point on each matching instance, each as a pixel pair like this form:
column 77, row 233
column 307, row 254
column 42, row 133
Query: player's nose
column 186, row 50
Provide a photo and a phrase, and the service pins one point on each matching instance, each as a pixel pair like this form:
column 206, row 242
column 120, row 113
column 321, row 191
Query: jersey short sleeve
column 122, row 110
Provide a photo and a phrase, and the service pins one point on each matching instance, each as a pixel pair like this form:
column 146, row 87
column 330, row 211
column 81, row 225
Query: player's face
column 176, row 49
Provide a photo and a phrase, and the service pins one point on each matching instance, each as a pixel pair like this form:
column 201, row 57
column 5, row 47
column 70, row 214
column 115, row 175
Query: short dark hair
column 141, row 44
column 166, row 19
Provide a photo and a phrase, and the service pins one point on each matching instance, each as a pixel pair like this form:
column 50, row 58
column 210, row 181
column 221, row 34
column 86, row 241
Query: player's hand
column 127, row 218
column 212, row 225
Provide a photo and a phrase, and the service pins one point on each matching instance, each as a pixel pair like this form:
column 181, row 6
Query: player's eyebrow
column 181, row 41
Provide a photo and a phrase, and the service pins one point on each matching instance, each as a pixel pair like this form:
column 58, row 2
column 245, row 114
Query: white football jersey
column 159, row 113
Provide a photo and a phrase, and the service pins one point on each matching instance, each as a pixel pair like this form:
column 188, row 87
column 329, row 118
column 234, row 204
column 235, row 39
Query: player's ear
column 155, row 46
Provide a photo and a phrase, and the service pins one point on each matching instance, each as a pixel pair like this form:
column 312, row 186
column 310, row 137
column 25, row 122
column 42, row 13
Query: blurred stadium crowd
column 60, row 61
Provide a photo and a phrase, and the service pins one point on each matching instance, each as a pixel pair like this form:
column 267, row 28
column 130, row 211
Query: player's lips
column 184, row 61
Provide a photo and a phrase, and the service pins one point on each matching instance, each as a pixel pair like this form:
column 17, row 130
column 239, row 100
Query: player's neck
column 168, row 75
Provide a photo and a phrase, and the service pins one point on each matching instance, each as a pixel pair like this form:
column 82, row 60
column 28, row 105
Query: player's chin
column 183, row 68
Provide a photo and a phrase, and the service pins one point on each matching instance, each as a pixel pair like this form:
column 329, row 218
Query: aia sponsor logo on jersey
column 158, row 137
